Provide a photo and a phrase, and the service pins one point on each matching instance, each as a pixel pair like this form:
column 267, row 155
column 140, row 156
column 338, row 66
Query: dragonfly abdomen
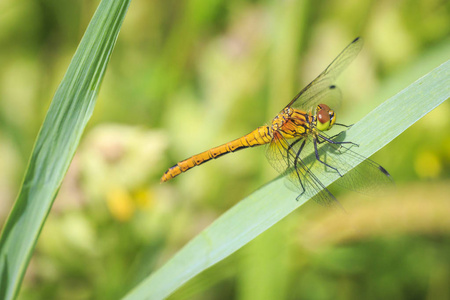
column 259, row 136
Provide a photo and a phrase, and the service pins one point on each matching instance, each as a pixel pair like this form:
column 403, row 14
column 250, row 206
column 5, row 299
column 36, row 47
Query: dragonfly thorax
column 291, row 123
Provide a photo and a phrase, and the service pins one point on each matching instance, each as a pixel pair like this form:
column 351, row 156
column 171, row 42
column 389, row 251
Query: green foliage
column 57, row 141
column 189, row 75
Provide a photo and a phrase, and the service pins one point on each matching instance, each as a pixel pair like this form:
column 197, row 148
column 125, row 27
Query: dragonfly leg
column 332, row 137
column 318, row 158
column 343, row 125
column 297, row 156
column 298, row 153
column 301, row 184
column 329, row 140
column 289, row 150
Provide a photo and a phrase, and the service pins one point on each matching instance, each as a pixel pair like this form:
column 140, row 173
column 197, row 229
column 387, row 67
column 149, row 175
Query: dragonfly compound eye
column 332, row 118
column 323, row 117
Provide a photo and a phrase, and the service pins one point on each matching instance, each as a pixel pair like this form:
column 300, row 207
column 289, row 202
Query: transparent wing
column 282, row 155
column 367, row 177
column 323, row 89
column 296, row 159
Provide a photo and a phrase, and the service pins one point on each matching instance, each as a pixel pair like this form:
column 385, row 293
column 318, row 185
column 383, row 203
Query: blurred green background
column 189, row 75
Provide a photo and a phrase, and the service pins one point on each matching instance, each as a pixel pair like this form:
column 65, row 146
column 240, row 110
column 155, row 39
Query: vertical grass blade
column 264, row 208
column 56, row 143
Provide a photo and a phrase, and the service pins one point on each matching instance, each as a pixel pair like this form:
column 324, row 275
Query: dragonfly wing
column 322, row 92
column 367, row 177
column 313, row 94
column 282, row 155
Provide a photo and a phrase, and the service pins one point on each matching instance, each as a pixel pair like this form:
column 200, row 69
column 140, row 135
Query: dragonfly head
column 325, row 117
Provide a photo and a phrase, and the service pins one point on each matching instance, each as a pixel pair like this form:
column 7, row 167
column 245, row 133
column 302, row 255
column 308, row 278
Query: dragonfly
column 298, row 144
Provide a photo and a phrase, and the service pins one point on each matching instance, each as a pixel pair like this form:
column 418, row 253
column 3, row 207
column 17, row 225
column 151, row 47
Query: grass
column 56, row 143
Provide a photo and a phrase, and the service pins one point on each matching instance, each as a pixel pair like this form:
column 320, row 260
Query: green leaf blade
column 71, row 108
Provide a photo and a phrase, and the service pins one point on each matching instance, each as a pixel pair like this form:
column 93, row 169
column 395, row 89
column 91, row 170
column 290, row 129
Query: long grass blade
column 56, row 143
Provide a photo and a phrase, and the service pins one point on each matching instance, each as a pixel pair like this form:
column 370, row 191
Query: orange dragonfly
column 297, row 132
